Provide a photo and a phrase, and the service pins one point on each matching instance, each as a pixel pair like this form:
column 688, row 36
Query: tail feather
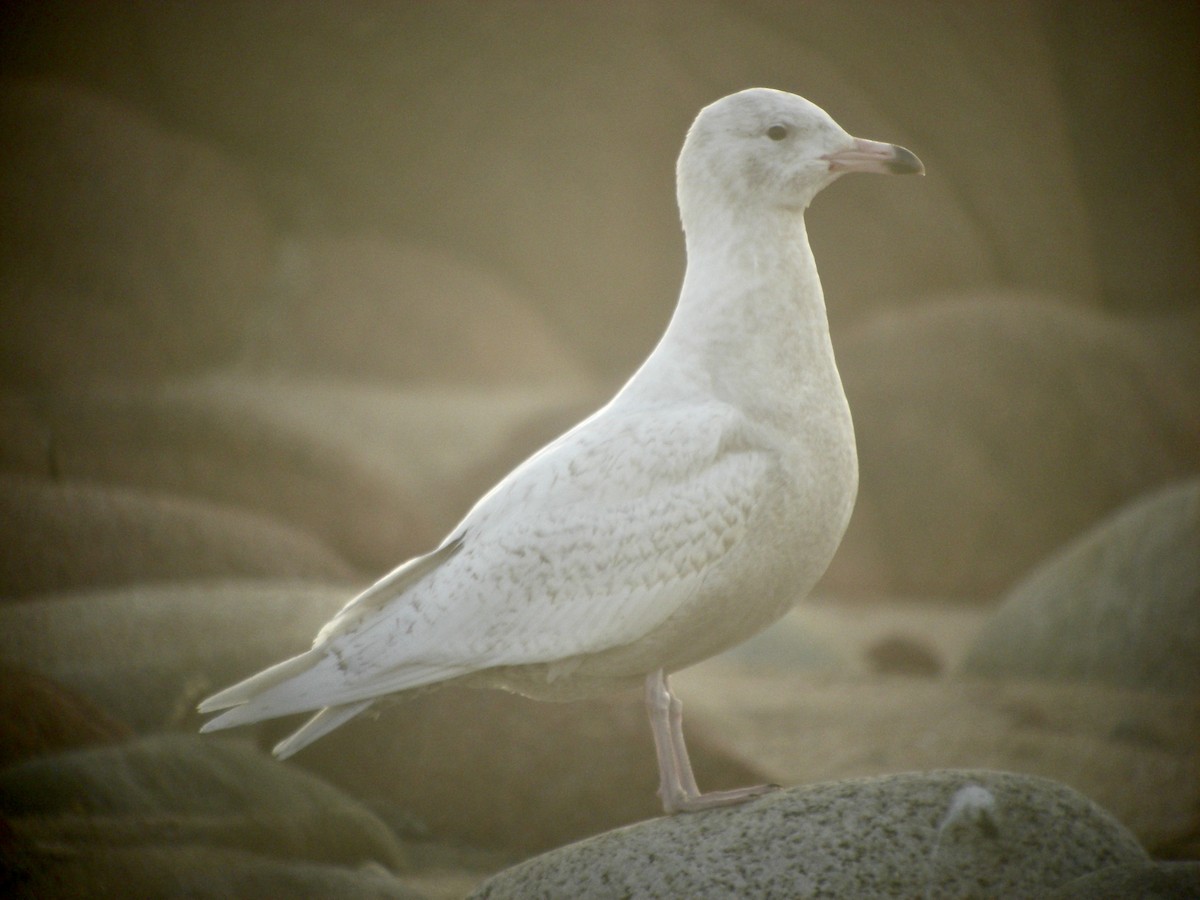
column 318, row 726
column 309, row 682
column 255, row 685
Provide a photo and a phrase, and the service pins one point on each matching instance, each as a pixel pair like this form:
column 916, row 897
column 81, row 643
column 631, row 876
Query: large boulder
column 58, row 537
column 540, row 143
column 379, row 474
column 942, row 834
column 147, row 654
column 364, row 308
column 195, row 790
column 186, row 870
column 993, row 428
column 1120, row 605
column 126, row 251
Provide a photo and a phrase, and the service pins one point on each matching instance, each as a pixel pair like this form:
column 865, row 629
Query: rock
column 1120, row 605
column 147, row 654
column 992, row 429
column 942, row 834
column 186, row 786
column 378, row 474
column 897, row 654
column 1147, row 881
column 491, row 769
column 373, row 310
column 191, row 871
column 127, row 252
column 61, row 537
column 39, row 717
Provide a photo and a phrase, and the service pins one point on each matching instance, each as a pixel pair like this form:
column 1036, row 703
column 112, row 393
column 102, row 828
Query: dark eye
column 777, row 132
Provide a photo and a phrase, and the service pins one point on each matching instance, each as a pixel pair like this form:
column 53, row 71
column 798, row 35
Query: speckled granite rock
column 1153, row 881
column 1120, row 605
column 941, row 834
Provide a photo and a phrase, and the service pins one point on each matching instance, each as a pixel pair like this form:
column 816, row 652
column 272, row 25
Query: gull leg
column 677, row 784
column 658, row 706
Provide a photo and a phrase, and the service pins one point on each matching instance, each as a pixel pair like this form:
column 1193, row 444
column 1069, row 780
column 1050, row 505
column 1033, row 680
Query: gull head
column 764, row 150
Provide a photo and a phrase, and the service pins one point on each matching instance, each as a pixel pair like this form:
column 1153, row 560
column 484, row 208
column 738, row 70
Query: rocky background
column 284, row 287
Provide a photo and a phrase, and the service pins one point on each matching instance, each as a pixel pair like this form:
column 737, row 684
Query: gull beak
column 874, row 156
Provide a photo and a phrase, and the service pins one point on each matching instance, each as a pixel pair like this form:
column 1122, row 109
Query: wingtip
column 212, row 704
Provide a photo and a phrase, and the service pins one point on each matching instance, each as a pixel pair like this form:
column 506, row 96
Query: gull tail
column 247, row 690
column 312, row 681
column 319, row 681
column 318, row 726
column 239, row 703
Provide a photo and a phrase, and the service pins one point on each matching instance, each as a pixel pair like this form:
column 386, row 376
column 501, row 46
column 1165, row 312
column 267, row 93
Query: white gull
column 686, row 515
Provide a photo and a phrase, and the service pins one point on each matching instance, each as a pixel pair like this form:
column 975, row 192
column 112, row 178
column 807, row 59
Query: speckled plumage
column 684, row 516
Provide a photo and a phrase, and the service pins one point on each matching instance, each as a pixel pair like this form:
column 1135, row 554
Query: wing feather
column 590, row 544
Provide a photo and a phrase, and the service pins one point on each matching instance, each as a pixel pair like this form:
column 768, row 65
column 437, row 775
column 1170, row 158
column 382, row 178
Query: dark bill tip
column 905, row 162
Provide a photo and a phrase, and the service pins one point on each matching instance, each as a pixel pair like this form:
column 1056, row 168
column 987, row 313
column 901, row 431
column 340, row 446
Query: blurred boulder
column 148, row 653
column 1119, row 605
column 126, row 251
column 39, row 717
column 992, row 429
column 198, row 786
column 557, row 171
column 941, row 834
column 61, row 537
column 377, row 474
column 539, row 143
column 196, row 872
column 368, row 309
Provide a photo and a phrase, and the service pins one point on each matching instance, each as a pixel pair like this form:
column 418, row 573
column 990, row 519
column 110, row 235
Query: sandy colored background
column 284, row 287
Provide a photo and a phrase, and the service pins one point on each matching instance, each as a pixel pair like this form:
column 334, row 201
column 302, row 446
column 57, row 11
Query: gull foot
column 681, row 802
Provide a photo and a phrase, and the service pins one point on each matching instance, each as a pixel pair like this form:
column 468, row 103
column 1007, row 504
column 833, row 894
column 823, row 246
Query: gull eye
column 777, row 132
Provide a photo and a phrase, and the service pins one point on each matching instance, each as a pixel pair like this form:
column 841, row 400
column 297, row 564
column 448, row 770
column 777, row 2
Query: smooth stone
column 1120, row 605
column 995, row 426
column 147, row 654
column 377, row 474
column 191, row 871
column 69, row 536
column 373, row 309
column 214, row 790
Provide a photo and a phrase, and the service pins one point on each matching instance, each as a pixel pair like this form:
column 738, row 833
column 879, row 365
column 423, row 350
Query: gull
column 689, row 513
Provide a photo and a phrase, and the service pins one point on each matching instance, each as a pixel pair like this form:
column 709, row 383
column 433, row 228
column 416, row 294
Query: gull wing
column 590, row 544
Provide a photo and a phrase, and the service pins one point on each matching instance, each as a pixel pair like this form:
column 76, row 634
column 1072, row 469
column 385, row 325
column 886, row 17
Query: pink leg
column 677, row 784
